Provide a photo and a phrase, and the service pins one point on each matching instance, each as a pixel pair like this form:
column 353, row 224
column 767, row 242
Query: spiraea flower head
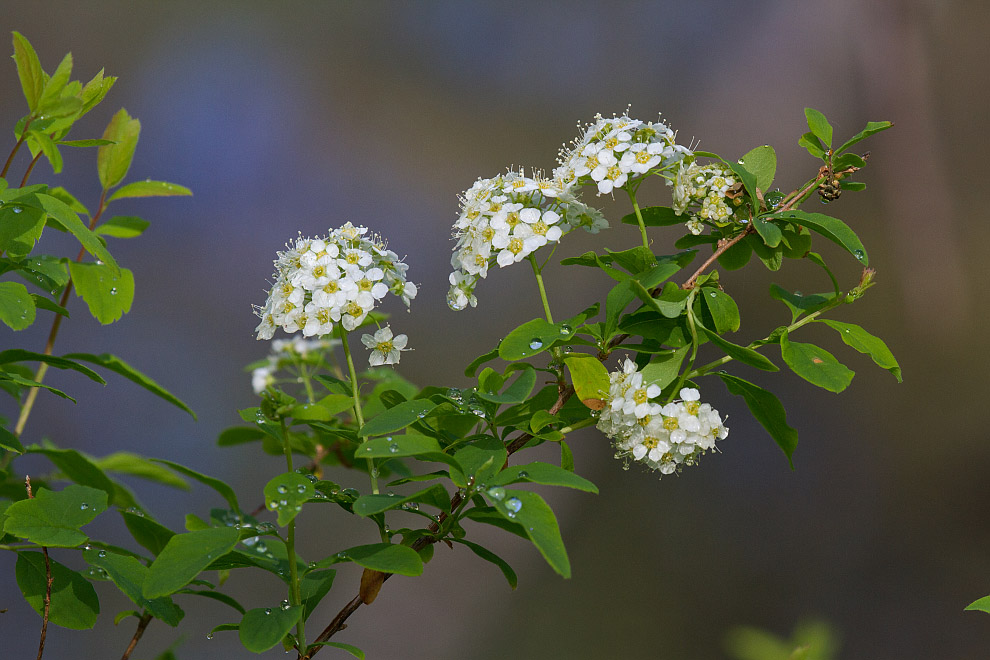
column 338, row 278
column 613, row 150
column 708, row 193
column 662, row 437
column 505, row 219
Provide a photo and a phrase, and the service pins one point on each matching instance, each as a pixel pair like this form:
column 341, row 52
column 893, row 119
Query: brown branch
column 142, row 624
column 48, row 583
column 27, row 173
column 13, row 152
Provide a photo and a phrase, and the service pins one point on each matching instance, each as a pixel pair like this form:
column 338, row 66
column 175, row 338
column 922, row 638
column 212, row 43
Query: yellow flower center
column 692, row 407
column 516, row 246
column 651, row 442
column 354, row 309
column 670, row 423
column 640, row 396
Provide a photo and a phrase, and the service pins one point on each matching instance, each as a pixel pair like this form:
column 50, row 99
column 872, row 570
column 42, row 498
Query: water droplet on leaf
column 536, row 343
column 496, row 492
column 513, row 504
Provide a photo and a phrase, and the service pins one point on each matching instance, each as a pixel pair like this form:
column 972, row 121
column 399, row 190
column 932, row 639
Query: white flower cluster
column 662, row 437
column 284, row 353
column 613, row 150
column 338, row 278
column 505, row 219
column 708, row 188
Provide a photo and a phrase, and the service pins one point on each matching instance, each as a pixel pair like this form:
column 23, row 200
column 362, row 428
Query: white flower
column 662, row 437
column 384, row 347
column 705, row 188
column 325, row 280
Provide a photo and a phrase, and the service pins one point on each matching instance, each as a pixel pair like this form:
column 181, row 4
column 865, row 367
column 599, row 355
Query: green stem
column 295, row 596
column 372, row 471
column 590, row 421
column 543, row 291
column 639, row 218
column 694, row 344
column 17, row 147
column 304, row 376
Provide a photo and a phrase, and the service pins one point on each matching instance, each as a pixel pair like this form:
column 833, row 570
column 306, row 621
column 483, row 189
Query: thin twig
column 142, row 624
column 27, row 172
column 13, row 152
column 48, row 583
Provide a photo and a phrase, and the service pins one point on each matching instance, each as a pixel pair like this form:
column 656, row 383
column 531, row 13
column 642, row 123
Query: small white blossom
column 338, row 278
column 662, row 437
column 384, row 347
column 704, row 192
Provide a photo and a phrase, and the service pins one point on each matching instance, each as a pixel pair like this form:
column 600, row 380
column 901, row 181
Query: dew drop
column 496, row 492
column 17, row 209
column 300, row 489
column 859, row 254
column 209, row 635
column 282, row 488
column 523, row 474
column 565, row 329
column 455, row 302
column 83, row 506
column 536, row 343
column 311, row 565
column 261, row 547
column 101, row 554
column 87, row 547
column 284, row 605
column 712, row 294
column 513, row 504
column 273, row 504
column 268, row 610
column 394, row 448
column 113, row 291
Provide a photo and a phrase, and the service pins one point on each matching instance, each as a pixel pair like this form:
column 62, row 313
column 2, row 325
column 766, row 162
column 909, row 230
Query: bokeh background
column 286, row 117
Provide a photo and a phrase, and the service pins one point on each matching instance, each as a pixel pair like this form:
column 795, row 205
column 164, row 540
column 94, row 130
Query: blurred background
column 289, row 117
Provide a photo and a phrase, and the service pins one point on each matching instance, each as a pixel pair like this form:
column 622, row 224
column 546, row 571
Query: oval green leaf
column 815, row 365
column 264, row 627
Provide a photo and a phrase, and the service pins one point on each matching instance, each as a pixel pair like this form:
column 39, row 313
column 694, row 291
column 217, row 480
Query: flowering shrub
column 452, row 457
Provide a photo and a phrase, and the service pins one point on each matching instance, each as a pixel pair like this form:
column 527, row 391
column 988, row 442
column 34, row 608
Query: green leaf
column 482, row 459
column 588, row 376
column 10, row 442
column 286, row 493
column 313, row 587
column 123, row 226
column 52, row 90
column 84, row 143
column 636, row 260
column 41, row 141
column 663, row 369
column 53, row 518
column 149, row 188
column 852, row 185
column 743, row 354
column 532, row 338
column 46, row 272
column 566, row 457
column 489, row 556
column 29, row 71
column 472, row 368
column 63, row 214
column 397, row 418
column 185, row 556
column 798, row 303
column 768, row 231
column 796, row 241
column 337, row 403
column 108, row 296
column 313, row 412
column 18, row 355
column 546, row 474
column 147, row 531
column 767, row 410
column 815, row 365
column 20, row 228
column 129, row 575
column 490, row 516
column 238, row 435
column 27, row 382
column 118, row 366
column 214, row 595
column 44, row 303
column 369, row 505
column 864, row 342
column 723, row 309
column 387, row 558
column 762, row 162
column 397, row 446
column 812, row 144
column 871, row 128
column 749, row 181
column 350, row 648
column 17, row 308
column 138, row 466
column 737, row 256
column 79, row 468
column 518, row 391
column 225, row 491
column 655, row 216
column 264, row 627
column 113, row 160
column 980, row 605
column 539, row 524
column 819, row 125
column 73, row 603
column 831, row 228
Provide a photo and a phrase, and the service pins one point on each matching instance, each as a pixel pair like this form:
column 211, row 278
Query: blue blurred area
column 297, row 117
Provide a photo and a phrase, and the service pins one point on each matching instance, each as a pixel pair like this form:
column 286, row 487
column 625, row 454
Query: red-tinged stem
column 142, row 624
column 17, row 147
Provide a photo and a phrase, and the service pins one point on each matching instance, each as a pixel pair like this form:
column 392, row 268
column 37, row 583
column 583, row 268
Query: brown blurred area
column 288, row 117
